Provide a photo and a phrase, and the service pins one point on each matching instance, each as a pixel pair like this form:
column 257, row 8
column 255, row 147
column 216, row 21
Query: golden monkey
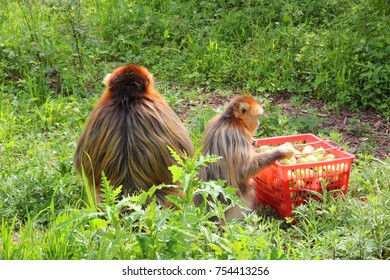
column 127, row 134
column 230, row 136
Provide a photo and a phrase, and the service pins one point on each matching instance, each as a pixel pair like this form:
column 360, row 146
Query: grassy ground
column 54, row 56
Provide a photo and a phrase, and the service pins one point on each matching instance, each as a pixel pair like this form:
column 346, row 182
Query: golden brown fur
column 127, row 135
column 230, row 136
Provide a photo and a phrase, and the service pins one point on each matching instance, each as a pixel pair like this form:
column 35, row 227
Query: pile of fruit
column 317, row 165
column 306, row 155
column 313, row 178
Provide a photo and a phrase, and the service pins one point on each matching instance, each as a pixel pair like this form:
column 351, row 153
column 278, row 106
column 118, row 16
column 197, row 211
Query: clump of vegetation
column 54, row 55
column 127, row 229
column 333, row 50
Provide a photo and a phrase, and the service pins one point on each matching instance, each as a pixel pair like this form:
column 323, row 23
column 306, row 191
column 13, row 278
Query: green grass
column 55, row 55
column 333, row 50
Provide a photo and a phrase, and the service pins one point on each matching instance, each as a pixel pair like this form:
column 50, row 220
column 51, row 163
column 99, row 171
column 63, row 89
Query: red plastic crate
column 284, row 187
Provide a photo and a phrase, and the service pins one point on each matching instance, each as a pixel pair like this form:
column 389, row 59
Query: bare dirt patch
column 362, row 130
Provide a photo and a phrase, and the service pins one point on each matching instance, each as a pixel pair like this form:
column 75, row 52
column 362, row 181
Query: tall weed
column 334, row 50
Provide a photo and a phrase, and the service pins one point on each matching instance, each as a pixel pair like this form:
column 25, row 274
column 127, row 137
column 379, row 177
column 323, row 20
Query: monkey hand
column 287, row 150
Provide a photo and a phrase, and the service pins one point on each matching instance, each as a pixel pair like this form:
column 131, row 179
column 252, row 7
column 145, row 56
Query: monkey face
column 256, row 113
column 246, row 111
column 252, row 115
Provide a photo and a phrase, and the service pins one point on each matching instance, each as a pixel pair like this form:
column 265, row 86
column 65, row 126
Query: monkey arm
column 264, row 159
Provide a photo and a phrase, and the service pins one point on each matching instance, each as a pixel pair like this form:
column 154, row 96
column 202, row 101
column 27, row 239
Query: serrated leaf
column 175, row 156
column 218, row 250
column 176, row 172
column 176, row 200
column 99, row 223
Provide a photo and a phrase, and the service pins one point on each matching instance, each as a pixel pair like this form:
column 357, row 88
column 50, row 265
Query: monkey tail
column 129, row 82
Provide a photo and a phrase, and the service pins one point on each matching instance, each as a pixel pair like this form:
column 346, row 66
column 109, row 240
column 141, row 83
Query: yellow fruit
column 300, row 184
column 299, row 173
column 319, row 151
column 290, row 175
column 304, row 173
column 297, row 153
column 263, row 148
column 284, row 162
column 329, row 169
column 308, row 149
column 301, row 160
column 311, row 158
column 309, row 173
column 330, row 156
column 320, row 157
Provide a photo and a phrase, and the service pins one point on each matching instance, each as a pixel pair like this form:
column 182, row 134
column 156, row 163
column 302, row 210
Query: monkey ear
column 106, row 79
column 244, row 107
column 150, row 80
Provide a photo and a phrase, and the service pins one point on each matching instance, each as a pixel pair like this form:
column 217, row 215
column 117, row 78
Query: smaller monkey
column 127, row 136
column 230, row 135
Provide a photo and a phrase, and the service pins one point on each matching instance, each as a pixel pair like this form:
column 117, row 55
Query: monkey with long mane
column 127, row 135
column 230, row 135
